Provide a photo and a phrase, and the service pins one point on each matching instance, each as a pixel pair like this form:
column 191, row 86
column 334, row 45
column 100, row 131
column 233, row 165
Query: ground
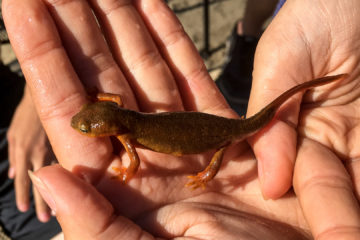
column 223, row 14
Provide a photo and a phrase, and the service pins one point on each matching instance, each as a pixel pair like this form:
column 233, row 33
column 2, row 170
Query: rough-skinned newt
column 176, row 133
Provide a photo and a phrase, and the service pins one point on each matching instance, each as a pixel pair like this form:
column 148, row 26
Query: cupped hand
column 28, row 149
column 139, row 50
column 213, row 215
column 306, row 40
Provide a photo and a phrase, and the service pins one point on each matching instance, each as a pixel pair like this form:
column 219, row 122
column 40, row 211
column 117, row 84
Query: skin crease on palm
column 155, row 67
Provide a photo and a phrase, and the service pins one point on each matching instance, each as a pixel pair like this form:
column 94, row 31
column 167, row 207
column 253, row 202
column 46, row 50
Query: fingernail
column 23, row 207
column 43, row 190
column 11, row 172
column 44, row 217
column 53, row 213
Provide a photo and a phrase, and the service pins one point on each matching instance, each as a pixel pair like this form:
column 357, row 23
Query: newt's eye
column 83, row 128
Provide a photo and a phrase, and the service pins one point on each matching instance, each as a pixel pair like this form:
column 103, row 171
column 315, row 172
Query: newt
column 176, row 133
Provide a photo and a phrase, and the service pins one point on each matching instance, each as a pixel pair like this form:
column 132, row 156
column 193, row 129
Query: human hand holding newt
column 154, row 203
column 312, row 149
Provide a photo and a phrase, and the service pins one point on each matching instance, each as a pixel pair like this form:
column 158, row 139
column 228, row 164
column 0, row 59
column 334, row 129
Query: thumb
column 81, row 210
column 275, row 71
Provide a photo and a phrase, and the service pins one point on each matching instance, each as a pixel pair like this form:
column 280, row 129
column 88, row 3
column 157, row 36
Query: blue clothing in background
column 278, row 6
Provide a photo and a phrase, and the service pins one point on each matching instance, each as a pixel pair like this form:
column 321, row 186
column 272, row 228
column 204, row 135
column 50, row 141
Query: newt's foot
column 123, row 174
column 208, row 173
column 197, row 181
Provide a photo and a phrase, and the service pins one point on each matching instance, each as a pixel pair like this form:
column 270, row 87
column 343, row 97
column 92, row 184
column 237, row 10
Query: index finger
column 56, row 90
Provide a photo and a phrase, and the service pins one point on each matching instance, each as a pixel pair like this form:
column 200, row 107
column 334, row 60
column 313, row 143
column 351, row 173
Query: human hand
column 85, row 214
column 28, row 149
column 306, row 40
column 152, row 62
column 59, row 93
column 82, row 49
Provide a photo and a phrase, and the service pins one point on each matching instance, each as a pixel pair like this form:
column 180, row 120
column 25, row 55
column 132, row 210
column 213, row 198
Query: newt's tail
column 260, row 119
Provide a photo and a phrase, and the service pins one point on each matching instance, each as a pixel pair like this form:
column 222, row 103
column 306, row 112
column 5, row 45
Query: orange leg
column 209, row 172
column 125, row 174
column 109, row 97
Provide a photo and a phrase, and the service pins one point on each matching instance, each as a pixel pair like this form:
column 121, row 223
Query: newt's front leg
column 125, row 174
column 109, row 97
column 209, row 172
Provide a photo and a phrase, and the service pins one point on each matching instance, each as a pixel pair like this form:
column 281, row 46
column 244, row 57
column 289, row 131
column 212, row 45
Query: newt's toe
column 122, row 174
column 196, row 182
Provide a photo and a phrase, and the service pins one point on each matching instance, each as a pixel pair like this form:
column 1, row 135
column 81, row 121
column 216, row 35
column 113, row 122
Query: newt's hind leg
column 109, row 97
column 125, row 174
column 209, row 172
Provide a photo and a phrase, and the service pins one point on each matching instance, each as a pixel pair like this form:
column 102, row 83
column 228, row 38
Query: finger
column 326, row 193
column 275, row 167
column 197, row 88
column 22, row 181
column 138, row 56
column 56, row 90
column 94, row 218
column 88, row 50
column 40, row 154
column 275, row 71
column 353, row 167
column 41, row 208
column 11, row 155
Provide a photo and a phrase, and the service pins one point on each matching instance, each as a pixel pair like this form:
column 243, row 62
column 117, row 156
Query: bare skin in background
column 28, row 149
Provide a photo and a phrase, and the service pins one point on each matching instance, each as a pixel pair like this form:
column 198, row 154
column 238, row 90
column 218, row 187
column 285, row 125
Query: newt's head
column 98, row 119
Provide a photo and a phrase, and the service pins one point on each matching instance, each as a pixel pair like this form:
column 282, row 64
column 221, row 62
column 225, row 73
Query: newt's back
column 184, row 132
column 196, row 132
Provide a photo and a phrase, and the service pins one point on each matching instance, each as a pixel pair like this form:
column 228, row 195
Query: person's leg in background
column 235, row 79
